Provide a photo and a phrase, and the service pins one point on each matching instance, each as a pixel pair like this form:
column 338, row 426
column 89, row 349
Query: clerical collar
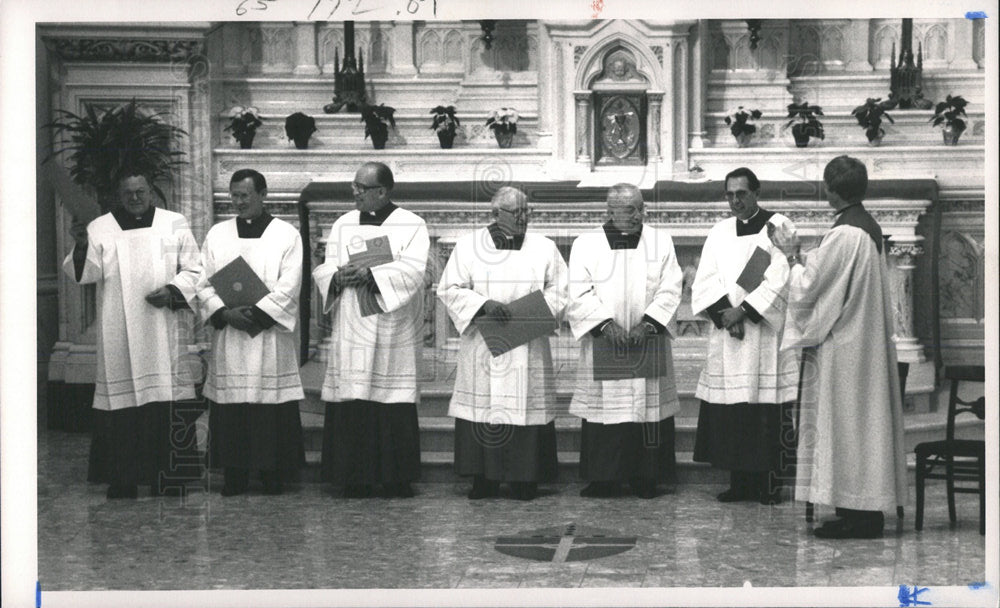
column 502, row 240
column 755, row 224
column 127, row 221
column 843, row 209
column 254, row 227
column 856, row 215
column 375, row 218
column 620, row 240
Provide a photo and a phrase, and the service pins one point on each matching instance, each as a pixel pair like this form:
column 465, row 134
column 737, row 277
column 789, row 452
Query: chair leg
column 919, row 523
column 982, row 497
column 950, row 481
column 809, row 512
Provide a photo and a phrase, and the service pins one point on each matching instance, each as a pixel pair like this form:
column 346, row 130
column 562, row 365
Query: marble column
column 680, row 154
column 401, row 60
column 305, row 49
column 653, row 125
column 856, row 46
column 582, row 126
column 668, row 108
column 903, row 251
column 698, row 84
column 546, row 80
column 960, row 35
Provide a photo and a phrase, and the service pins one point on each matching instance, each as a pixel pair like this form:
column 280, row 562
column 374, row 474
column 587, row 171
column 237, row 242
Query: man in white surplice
column 747, row 387
column 253, row 379
column 144, row 261
column 504, row 406
column 625, row 285
column 370, row 430
column 850, row 452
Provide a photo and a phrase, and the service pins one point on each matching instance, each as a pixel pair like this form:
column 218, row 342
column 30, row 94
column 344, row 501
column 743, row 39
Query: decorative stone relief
column 453, row 48
column 961, row 277
column 658, row 51
column 578, row 52
column 128, row 50
column 278, row 46
column 881, row 48
column 429, row 49
column 935, row 43
column 331, row 43
column 979, row 42
column 719, row 48
column 619, row 67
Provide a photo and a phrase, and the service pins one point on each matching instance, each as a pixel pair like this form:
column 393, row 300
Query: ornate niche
column 620, row 107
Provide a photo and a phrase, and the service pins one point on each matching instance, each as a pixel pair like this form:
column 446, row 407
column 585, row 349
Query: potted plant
column 102, row 146
column 870, row 115
column 741, row 125
column 243, row 123
column 947, row 113
column 445, row 123
column 504, row 125
column 804, row 123
column 299, row 128
column 377, row 121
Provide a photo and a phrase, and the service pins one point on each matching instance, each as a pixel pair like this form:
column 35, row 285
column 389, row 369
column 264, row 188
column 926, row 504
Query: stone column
column 668, row 107
column 698, row 82
column 960, row 35
column 545, row 84
column 856, row 43
column 401, row 60
column 653, row 126
column 583, row 152
column 305, row 49
column 680, row 154
column 903, row 251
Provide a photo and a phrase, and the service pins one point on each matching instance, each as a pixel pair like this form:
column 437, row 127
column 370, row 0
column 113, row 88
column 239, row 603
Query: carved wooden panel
column 620, row 129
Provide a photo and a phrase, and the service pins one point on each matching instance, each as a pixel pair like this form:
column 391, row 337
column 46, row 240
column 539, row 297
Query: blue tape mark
column 38, row 594
column 910, row 597
column 975, row 15
column 979, row 585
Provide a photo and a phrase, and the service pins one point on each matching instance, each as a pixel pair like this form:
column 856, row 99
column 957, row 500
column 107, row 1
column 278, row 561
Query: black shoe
column 869, row 527
column 601, row 489
column 235, row 481
column 122, row 491
column 524, row 490
column 357, row 491
column 272, row 482
column 484, row 488
column 402, row 489
column 736, row 494
column 233, row 489
column 643, row 488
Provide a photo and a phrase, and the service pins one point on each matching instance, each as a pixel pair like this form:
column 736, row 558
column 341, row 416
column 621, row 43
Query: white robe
column 263, row 368
column 751, row 370
column 376, row 358
column 850, row 451
column 624, row 285
column 517, row 387
column 140, row 347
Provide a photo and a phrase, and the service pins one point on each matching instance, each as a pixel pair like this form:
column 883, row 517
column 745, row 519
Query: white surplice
column 850, row 451
column 624, row 285
column 376, row 358
column 263, row 368
column 751, row 370
column 517, row 387
column 140, row 348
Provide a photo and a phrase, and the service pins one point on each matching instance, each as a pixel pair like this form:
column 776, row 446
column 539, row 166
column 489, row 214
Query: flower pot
column 302, row 143
column 247, row 142
column 743, row 140
column 447, row 140
column 378, row 141
column 875, row 141
column 951, row 135
column 504, row 137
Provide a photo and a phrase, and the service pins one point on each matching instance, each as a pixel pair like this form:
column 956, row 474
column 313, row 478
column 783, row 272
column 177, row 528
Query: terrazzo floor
column 309, row 539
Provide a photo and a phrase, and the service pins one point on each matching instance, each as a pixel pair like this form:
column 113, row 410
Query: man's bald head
column 510, row 210
column 626, row 207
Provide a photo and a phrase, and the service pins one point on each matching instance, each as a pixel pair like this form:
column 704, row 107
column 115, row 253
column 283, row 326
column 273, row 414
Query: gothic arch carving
column 594, row 62
column 935, row 43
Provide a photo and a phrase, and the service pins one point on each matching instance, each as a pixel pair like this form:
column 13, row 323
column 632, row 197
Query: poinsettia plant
column 243, row 122
column 740, row 121
column 870, row 115
column 504, row 119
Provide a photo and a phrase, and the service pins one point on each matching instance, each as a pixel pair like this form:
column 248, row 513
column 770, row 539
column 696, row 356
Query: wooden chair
column 962, row 460
column 904, row 371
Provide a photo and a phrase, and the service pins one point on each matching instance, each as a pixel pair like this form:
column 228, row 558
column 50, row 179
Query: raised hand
column 78, row 230
column 784, row 238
